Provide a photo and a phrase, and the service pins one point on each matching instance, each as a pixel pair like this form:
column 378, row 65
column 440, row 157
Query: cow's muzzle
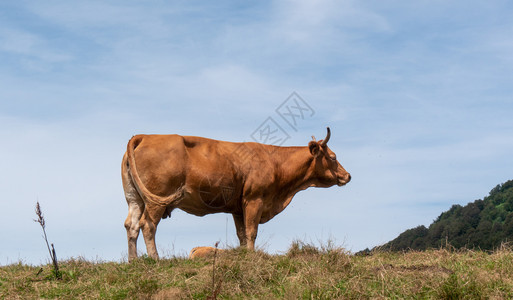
column 344, row 180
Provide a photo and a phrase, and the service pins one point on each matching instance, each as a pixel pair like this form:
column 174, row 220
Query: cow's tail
column 139, row 185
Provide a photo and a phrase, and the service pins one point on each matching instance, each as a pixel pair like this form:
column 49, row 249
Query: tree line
column 483, row 224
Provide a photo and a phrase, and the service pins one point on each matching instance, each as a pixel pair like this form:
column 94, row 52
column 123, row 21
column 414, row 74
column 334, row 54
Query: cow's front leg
column 241, row 229
column 252, row 214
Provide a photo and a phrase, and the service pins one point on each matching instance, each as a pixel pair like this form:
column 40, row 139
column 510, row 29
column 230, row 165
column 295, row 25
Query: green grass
column 304, row 272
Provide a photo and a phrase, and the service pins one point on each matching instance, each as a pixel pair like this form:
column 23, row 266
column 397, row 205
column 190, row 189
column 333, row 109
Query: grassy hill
column 304, row 272
column 482, row 224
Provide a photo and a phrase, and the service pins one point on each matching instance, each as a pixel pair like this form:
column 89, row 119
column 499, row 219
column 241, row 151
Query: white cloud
column 311, row 22
column 35, row 52
column 17, row 41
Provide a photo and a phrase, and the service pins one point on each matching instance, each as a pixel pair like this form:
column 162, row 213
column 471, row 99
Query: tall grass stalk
column 215, row 290
column 53, row 255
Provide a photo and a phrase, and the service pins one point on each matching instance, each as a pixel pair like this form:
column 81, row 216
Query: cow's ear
column 314, row 148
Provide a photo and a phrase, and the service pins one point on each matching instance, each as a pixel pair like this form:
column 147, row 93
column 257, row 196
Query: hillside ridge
column 483, row 224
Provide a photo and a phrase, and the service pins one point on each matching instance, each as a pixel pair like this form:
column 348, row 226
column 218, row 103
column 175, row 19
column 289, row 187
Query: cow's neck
column 295, row 169
column 293, row 174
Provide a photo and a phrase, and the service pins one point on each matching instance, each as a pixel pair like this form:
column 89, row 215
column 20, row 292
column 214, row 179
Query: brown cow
column 252, row 181
column 203, row 252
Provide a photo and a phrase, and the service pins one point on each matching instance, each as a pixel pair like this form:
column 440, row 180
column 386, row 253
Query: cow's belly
column 208, row 201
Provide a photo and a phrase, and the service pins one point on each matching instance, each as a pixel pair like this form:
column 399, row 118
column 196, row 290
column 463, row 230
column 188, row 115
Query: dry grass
column 305, row 272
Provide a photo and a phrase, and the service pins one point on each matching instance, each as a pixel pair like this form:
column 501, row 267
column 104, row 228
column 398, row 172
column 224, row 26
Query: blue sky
column 418, row 96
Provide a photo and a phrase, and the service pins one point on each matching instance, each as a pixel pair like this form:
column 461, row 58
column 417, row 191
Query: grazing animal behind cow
column 252, row 181
column 203, row 252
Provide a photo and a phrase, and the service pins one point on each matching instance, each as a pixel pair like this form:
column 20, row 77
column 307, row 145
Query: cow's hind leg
column 135, row 210
column 149, row 221
column 132, row 225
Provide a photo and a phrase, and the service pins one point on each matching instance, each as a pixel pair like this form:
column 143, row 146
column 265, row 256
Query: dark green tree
column 482, row 224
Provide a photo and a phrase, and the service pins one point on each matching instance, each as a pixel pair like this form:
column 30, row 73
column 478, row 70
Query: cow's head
column 327, row 171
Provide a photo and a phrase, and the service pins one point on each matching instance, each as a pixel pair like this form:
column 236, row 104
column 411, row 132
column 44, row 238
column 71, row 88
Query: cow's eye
column 333, row 157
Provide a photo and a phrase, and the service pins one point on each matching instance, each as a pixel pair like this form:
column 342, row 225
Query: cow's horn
column 313, row 138
column 328, row 135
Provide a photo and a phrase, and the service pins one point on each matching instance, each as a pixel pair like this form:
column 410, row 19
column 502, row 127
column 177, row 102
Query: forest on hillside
column 483, row 224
